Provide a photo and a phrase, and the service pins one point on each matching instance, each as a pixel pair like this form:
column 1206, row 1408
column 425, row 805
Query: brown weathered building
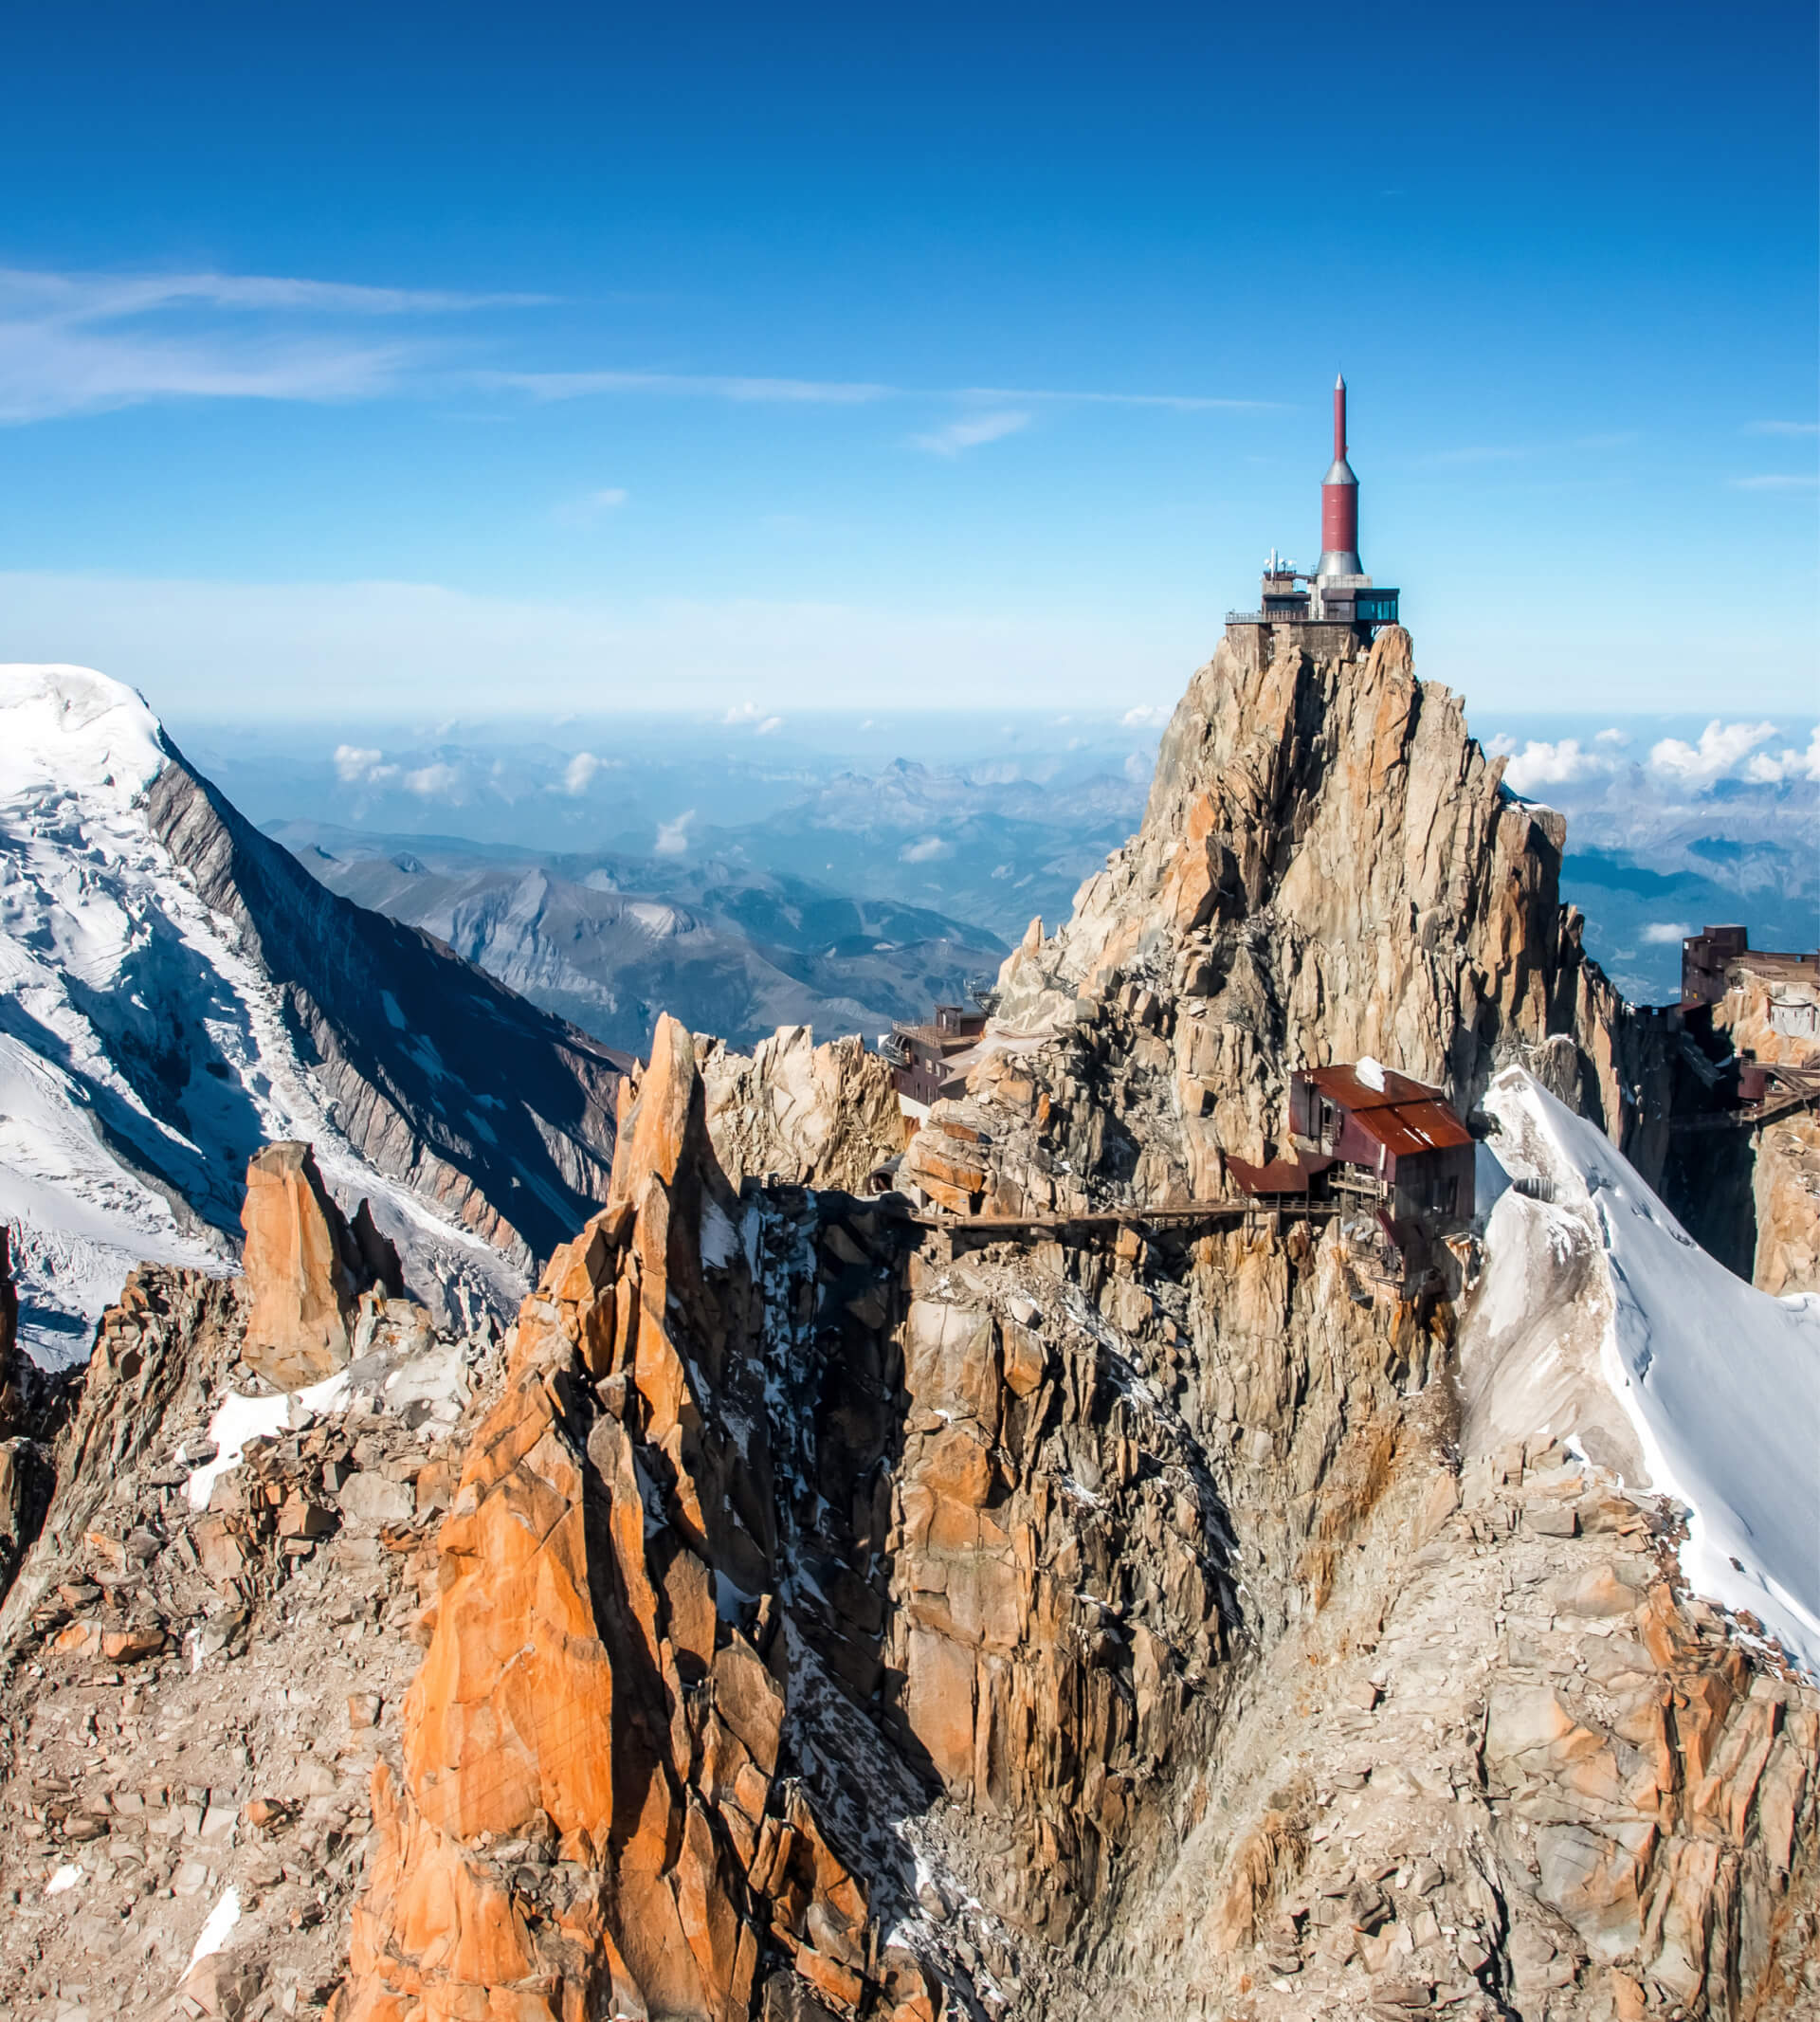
column 1375, row 1134
column 926, row 1060
column 1710, row 961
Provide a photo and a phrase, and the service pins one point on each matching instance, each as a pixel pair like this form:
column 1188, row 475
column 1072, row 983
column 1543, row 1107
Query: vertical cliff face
column 389, row 1022
column 800, row 1551
column 594, row 1808
column 1328, row 867
column 1785, row 1192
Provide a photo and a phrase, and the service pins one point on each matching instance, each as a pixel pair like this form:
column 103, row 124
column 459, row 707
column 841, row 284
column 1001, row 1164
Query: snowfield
column 143, row 1058
column 1600, row 1320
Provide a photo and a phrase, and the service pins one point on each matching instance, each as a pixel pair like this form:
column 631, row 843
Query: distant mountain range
column 986, row 844
column 610, row 942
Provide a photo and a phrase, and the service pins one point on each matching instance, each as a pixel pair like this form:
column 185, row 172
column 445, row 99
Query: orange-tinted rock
column 571, row 1692
column 938, row 1703
column 301, row 1268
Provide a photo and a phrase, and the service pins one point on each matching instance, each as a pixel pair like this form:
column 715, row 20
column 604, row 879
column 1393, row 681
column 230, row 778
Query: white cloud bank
column 1725, row 752
column 1539, row 764
column 1775, row 767
column 1721, row 750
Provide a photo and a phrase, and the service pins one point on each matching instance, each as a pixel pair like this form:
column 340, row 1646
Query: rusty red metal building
column 1374, row 1134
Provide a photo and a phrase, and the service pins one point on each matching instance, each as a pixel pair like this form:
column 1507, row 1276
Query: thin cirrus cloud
column 591, row 505
column 1783, row 427
column 82, row 342
column 717, row 386
column 969, row 431
column 748, row 388
column 77, row 343
column 87, row 298
column 1778, row 480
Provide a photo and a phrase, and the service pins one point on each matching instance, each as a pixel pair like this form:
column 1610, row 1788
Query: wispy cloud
column 834, row 392
column 1182, row 403
column 1778, row 480
column 47, row 372
column 578, row 775
column 719, row 386
column 970, row 431
column 1782, row 428
column 83, row 296
column 78, row 342
column 592, row 504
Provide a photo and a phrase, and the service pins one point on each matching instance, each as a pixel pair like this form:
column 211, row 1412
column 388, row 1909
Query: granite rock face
column 1786, row 1186
column 196, row 1688
column 305, row 1269
column 823, row 1116
column 591, row 1808
column 1329, row 867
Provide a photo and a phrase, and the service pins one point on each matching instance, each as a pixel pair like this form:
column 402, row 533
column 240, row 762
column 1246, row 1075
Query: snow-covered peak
column 145, row 1051
column 71, row 729
column 1600, row 1320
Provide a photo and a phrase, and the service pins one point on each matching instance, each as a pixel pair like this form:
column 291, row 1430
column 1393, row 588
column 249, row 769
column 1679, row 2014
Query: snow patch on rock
column 240, row 1419
column 217, row 1927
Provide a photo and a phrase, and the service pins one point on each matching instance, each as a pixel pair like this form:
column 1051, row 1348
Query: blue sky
column 543, row 359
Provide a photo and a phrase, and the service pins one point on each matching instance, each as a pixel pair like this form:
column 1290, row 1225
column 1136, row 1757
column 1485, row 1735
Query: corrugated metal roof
column 1404, row 1116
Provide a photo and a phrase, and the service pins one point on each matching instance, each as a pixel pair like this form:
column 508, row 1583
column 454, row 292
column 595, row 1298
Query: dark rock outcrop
column 441, row 1076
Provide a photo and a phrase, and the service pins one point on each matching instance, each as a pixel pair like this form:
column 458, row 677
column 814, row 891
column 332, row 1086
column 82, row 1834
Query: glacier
column 1599, row 1321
